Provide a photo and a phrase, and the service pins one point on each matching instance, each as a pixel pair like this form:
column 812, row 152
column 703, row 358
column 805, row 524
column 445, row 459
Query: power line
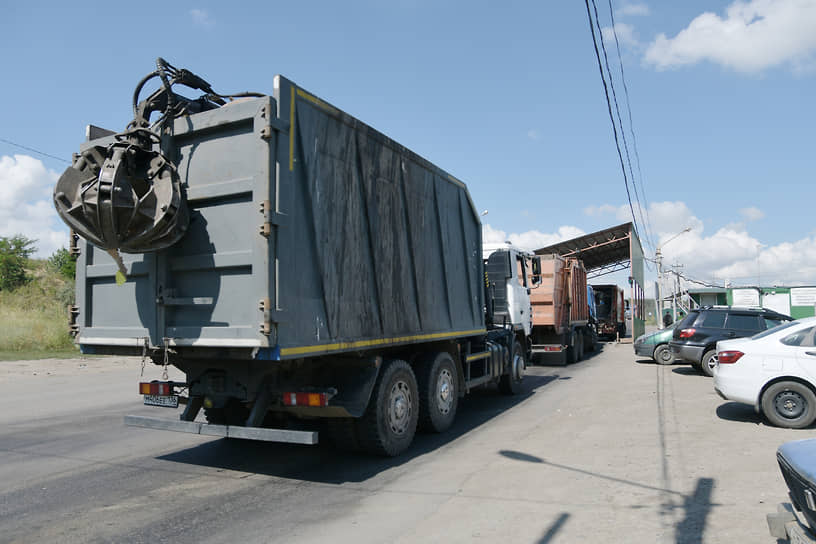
column 592, row 24
column 619, row 117
column 649, row 233
column 34, row 150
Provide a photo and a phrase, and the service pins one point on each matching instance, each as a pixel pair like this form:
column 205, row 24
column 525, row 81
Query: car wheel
column 789, row 404
column 663, row 355
column 708, row 362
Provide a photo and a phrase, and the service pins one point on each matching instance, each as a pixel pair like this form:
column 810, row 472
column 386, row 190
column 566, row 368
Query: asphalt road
column 612, row 449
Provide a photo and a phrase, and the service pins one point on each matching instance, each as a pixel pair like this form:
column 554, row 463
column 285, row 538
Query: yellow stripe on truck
column 302, row 350
column 292, row 134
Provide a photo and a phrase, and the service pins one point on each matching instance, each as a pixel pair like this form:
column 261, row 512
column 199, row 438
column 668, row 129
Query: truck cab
column 509, row 278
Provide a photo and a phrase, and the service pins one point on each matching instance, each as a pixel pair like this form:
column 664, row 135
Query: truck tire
column 663, row 355
column 708, row 362
column 510, row 383
column 589, row 341
column 437, row 380
column 572, row 356
column 389, row 423
column 789, row 404
column 579, row 346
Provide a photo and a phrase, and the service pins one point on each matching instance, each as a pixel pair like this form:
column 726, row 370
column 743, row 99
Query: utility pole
column 659, row 261
column 675, row 293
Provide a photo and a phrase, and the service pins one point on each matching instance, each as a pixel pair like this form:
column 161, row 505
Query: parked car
column 797, row 461
column 656, row 346
column 695, row 338
column 774, row 371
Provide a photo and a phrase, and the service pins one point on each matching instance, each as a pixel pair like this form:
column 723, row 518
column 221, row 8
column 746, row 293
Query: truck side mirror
column 536, row 270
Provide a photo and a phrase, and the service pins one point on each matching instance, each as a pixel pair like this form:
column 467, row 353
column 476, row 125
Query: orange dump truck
column 562, row 327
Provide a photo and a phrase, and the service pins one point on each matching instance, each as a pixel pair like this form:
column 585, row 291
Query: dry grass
column 34, row 317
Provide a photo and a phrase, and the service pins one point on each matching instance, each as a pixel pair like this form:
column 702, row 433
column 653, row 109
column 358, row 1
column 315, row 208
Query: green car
column 656, row 346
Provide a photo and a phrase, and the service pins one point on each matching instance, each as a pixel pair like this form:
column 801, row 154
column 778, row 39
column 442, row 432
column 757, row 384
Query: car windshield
column 776, row 329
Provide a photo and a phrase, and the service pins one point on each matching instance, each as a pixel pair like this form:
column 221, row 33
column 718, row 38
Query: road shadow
column 325, row 464
column 741, row 413
column 696, row 507
column 687, row 370
column 544, row 360
column 646, row 361
column 553, row 529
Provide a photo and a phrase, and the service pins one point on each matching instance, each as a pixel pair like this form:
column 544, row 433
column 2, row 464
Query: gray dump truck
column 307, row 274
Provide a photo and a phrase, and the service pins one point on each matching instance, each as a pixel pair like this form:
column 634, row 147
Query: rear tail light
column 305, row 399
column 162, row 389
column 687, row 333
column 729, row 357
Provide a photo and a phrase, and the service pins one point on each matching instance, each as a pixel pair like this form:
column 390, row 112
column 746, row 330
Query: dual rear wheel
column 405, row 398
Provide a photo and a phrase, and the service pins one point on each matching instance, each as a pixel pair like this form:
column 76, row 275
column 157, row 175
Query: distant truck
column 307, row 273
column 563, row 324
column 610, row 309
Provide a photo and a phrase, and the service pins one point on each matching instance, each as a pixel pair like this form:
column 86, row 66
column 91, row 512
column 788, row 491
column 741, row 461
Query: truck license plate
column 169, row 401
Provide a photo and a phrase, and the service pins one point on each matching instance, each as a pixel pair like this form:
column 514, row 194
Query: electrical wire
column 647, row 223
column 43, row 153
column 592, row 24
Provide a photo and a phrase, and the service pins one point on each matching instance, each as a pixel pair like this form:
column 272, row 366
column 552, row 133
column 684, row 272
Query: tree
column 62, row 262
column 14, row 254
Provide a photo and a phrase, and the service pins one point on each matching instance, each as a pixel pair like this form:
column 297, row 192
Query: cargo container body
column 562, row 320
column 327, row 272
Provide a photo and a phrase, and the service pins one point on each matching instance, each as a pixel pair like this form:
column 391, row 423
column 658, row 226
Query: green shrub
column 62, row 262
column 34, row 315
column 14, row 255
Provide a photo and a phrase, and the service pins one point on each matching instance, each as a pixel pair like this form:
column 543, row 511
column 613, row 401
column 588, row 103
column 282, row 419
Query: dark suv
column 695, row 338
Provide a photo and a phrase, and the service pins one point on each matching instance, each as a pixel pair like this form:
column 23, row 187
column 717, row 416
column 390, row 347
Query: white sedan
column 774, row 371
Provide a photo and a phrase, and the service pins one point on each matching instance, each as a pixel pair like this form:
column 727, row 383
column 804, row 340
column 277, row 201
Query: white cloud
column 201, row 18
column 531, row 239
column 752, row 213
column 25, row 203
column 625, row 32
column 533, row 134
column 730, row 253
column 600, row 210
column 637, row 9
column 751, row 37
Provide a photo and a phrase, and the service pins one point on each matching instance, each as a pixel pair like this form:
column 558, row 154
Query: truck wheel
column 510, row 383
column 663, row 355
column 438, row 392
column 789, row 404
column 389, row 423
column 579, row 346
column 589, row 341
column 708, row 362
column 571, row 355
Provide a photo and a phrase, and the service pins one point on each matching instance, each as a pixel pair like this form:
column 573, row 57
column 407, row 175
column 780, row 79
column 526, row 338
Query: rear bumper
column 690, row 354
column 732, row 387
column 226, row 431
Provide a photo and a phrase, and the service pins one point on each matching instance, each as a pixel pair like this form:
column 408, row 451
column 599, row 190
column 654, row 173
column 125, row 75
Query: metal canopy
column 602, row 252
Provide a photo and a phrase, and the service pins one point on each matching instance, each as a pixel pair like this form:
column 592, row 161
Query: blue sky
column 506, row 96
